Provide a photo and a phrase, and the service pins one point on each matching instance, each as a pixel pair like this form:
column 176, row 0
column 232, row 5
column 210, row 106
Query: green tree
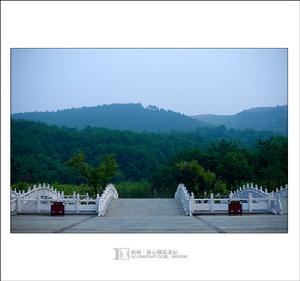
column 234, row 168
column 194, row 176
column 97, row 177
column 164, row 181
column 271, row 162
column 189, row 173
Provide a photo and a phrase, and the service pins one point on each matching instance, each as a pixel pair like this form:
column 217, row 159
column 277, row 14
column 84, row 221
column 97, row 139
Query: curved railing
column 30, row 200
column 282, row 191
column 276, row 201
column 43, row 192
column 35, row 192
column 107, row 196
column 244, row 191
column 183, row 196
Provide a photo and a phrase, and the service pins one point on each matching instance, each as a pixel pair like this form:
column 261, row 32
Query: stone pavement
column 147, row 207
column 149, row 216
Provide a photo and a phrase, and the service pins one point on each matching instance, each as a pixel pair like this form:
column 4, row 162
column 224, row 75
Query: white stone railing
column 278, row 199
column 250, row 204
column 282, row 191
column 71, row 206
column 253, row 198
column 256, row 191
column 25, row 200
column 107, row 196
column 183, row 196
column 13, row 206
column 259, row 192
column 38, row 200
column 36, row 191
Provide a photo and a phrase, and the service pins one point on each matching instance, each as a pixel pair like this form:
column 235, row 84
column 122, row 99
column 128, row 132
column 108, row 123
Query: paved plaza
column 149, row 216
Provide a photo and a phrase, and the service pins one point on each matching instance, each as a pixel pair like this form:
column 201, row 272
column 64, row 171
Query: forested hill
column 38, row 151
column 260, row 118
column 129, row 116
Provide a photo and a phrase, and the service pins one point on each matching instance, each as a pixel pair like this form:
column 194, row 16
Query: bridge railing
column 107, row 196
column 42, row 205
column 282, row 191
column 249, row 205
column 253, row 198
column 183, row 196
column 279, row 196
column 39, row 199
column 259, row 191
column 13, row 206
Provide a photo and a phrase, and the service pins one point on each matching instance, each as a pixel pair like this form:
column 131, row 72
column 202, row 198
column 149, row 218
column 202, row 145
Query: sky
column 189, row 81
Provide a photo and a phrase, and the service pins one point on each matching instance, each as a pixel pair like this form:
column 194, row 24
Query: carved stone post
column 279, row 206
column 19, row 204
column 211, row 202
column 269, row 203
column 192, row 202
column 250, row 202
column 77, row 204
column 38, row 203
column 74, row 199
column 97, row 202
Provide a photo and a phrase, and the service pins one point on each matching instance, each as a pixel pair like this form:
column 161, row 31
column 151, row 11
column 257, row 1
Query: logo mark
column 121, row 253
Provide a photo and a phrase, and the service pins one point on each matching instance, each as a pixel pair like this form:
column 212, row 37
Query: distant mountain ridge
column 129, row 116
column 135, row 117
column 259, row 118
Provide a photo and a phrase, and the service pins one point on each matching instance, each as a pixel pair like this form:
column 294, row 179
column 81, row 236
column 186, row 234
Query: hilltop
column 259, row 118
column 130, row 116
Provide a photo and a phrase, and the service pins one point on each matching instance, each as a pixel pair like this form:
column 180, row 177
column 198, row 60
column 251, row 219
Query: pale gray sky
column 190, row 81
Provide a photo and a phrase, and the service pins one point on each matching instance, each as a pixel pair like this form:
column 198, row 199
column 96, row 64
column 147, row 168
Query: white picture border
column 151, row 24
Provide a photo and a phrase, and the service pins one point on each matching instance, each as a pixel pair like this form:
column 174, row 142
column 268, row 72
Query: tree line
column 207, row 159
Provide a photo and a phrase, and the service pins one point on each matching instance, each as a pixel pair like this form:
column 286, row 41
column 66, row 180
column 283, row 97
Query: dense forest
column 260, row 118
column 149, row 164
